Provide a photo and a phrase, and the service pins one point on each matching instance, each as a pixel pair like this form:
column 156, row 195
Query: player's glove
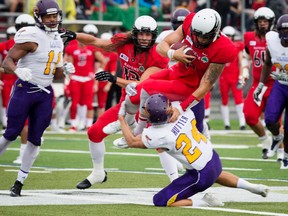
column 68, row 36
column 258, row 91
column 68, row 68
column 24, row 74
column 131, row 89
column 105, row 76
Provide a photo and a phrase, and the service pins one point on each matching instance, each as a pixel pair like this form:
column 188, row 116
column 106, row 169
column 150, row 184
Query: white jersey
column 182, row 140
column 279, row 55
column 46, row 58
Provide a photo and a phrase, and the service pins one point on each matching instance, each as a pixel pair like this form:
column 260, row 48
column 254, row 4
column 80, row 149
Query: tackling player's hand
column 67, row 36
column 174, row 112
column 105, row 76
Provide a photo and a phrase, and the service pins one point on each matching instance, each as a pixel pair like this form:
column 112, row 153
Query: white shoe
column 18, row 160
column 274, row 146
column 260, row 189
column 120, row 143
column 211, row 200
column 115, row 127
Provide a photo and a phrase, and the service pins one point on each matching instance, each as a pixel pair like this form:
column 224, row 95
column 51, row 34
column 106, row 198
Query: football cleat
column 264, row 154
column 280, row 155
column 275, row 145
column 15, row 190
column 115, row 127
column 120, row 143
column 260, row 189
column 87, row 184
column 211, row 200
column 284, row 164
column 18, row 160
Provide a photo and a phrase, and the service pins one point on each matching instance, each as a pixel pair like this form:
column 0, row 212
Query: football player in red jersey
column 255, row 51
column 139, row 59
column 194, row 75
column 229, row 80
column 82, row 81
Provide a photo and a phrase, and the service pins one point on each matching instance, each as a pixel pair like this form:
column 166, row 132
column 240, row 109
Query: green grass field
column 64, row 160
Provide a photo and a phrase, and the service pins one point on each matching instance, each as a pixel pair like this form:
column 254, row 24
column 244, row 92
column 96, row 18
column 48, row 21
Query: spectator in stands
column 279, row 7
column 235, row 10
column 155, row 7
column 84, row 9
column 15, row 5
column 124, row 4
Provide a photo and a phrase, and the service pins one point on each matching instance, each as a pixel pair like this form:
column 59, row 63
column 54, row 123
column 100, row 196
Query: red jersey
column 231, row 70
column 256, row 48
column 83, row 59
column 220, row 51
column 133, row 67
column 4, row 48
column 111, row 59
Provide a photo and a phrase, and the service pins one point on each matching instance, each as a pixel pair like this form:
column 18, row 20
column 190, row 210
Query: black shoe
column 242, row 127
column 16, row 189
column 264, row 153
column 86, row 184
column 227, row 127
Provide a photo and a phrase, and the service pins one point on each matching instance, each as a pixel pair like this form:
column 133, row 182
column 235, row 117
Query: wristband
column 170, row 53
column 190, row 102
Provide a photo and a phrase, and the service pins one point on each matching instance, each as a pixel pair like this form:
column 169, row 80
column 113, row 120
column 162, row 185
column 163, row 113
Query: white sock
column 240, row 114
column 89, row 122
column 54, row 123
column 169, row 164
column 22, row 176
column 29, row 156
column 142, row 123
column 225, row 114
column 243, row 184
column 266, row 141
column 130, row 118
column 3, row 145
column 97, row 151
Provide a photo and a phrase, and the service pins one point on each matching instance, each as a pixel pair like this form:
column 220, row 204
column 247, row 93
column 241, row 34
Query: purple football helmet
column 47, row 7
column 178, row 17
column 156, row 107
column 282, row 27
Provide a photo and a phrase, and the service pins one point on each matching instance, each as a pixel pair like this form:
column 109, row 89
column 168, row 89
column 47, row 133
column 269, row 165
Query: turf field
column 133, row 177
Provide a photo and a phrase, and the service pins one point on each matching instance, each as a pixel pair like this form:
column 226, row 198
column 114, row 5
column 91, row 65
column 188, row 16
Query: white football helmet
column 144, row 24
column 229, row 31
column 24, row 20
column 90, row 29
column 264, row 13
column 206, row 23
column 11, row 30
column 106, row 36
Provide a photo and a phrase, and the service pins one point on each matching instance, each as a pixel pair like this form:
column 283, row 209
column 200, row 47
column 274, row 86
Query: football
column 178, row 45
